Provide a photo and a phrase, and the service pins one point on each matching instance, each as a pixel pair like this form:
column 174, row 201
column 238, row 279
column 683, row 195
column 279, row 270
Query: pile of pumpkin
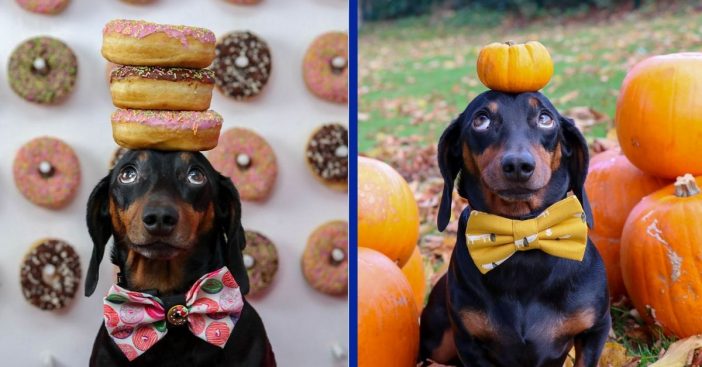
column 648, row 228
column 391, row 281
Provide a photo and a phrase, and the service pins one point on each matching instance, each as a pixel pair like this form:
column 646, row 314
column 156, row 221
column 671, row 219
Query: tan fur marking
column 574, row 324
column 478, row 324
column 446, row 351
column 143, row 156
column 544, row 161
column 556, row 157
column 493, row 107
column 469, row 161
column 488, row 156
column 164, row 275
column 185, row 156
column 533, row 102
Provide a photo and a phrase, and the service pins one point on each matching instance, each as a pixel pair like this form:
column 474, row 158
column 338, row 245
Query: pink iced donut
column 325, row 260
column 43, row 6
column 248, row 160
column 244, row 2
column 325, row 67
column 140, row 43
column 47, row 172
column 166, row 130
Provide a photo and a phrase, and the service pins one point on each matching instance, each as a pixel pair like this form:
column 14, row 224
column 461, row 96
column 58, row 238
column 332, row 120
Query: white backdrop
column 303, row 325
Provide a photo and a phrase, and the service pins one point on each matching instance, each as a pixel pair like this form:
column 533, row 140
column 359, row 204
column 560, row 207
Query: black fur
column 164, row 174
column 531, row 288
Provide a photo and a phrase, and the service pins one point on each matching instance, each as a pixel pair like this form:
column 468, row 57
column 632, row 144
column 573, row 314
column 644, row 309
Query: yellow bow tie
column 560, row 230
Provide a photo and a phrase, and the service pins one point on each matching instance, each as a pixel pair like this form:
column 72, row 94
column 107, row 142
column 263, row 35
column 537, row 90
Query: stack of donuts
column 160, row 87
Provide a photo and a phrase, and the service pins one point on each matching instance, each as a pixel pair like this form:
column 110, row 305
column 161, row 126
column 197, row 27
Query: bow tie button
column 177, row 315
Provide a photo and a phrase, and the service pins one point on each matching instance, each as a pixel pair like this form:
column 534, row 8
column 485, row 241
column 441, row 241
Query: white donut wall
column 305, row 327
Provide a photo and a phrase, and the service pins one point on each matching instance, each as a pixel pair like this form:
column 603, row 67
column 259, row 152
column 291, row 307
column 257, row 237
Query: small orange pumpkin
column 414, row 271
column 614, row 186
column 388, row 320
column 660, row 257
column 515, row 68
column 659, row 114
column 388, row 216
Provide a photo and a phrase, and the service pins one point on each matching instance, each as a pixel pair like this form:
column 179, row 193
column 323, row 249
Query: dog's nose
column 518, row 166
column 160, row 220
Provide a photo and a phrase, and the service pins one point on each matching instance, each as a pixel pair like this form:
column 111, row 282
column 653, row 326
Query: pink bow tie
column 136, row 321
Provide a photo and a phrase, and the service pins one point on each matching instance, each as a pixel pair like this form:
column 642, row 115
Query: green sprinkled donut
column 42, row 70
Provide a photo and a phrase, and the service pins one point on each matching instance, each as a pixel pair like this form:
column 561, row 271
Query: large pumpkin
column 659, row 114
column 414, row 271
column 388, row 320
column 661, row 257
column 388, row 216
column 614, row 186
column 515, row 68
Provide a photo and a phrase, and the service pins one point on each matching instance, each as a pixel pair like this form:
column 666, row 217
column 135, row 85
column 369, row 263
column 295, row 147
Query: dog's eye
column 128, row 175
column 545, row 121
column 196, row 177
column 481, row 122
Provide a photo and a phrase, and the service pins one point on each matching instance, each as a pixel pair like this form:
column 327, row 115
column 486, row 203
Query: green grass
column 423, row 69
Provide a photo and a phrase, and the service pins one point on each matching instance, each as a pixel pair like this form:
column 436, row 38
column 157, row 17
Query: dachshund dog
column 514, row 155
column 173, row 219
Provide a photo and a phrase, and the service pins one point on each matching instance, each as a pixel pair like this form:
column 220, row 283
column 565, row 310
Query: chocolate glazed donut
column 242, row 65
column 327, row 156
column 50, row 274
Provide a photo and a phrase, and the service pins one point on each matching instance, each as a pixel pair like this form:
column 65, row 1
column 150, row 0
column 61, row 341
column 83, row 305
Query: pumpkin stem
column 510, row 43
column 686, row 186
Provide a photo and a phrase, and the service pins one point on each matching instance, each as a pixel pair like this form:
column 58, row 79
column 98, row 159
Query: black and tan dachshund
column 173, row 219
column 514, row 155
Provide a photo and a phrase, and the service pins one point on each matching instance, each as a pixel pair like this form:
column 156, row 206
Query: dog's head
column 173, row 218
column 513, row 155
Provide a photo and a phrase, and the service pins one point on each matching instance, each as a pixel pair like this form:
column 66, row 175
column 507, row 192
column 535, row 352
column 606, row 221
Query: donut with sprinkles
column 242, row 65
column 327, row 155
column 43, row 70
column 325, row 67
column 50, row 274
column 47, row 172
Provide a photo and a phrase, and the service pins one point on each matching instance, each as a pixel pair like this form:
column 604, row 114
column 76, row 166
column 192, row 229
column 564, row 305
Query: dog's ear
column 450, row 163
column 228, row 213
column 576, row 150
column 100, row 230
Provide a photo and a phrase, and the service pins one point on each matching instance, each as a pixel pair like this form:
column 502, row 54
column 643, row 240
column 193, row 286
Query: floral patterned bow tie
column 136, row 321
column 560, row 230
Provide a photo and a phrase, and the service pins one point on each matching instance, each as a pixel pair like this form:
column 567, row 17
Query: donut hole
column 337, row 256
column 338, row 64
column 243, row 161
column 46, row 169
column 249, row 261
column 50, row 276
column 40, row 66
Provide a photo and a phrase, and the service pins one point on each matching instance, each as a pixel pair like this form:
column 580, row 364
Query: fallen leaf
column 680, row 353
column 614, row 355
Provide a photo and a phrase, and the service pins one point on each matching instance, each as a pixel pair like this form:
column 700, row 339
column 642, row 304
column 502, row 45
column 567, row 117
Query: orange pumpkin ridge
column 659, row 114
column 614, row 186
column 414, row 271
column 660, row 257
column 388, row 215
column 388, row 320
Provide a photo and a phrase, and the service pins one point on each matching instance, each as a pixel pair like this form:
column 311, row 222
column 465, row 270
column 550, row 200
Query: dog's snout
column 160, row 220
column 518, row 166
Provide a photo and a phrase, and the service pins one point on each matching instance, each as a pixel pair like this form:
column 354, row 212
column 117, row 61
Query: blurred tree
column 392, row 9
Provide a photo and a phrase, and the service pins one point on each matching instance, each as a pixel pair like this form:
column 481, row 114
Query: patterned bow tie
column 136, row 321
column 559, row 231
